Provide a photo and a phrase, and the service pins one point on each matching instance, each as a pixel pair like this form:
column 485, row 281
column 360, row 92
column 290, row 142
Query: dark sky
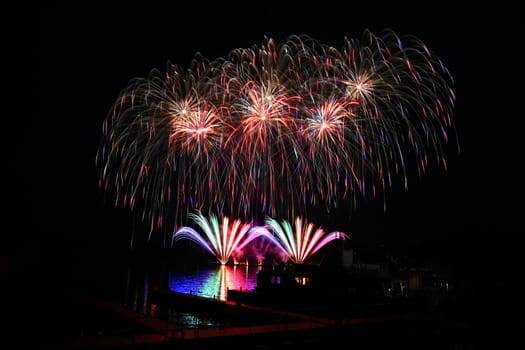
column 86, row 54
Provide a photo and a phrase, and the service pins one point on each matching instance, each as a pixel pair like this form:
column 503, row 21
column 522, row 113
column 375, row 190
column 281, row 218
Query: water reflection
column 211, row 281
column 214, row 282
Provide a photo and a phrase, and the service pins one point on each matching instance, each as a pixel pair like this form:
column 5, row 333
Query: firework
column 224, row 240
column 300, row 242
column 277, row 129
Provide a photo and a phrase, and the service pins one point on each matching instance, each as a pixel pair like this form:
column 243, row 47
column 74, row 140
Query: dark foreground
column 86, row 323
column 50, row 307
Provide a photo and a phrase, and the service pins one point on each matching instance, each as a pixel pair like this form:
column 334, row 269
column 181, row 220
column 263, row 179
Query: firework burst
column 224, row 240
column 301, row 241
column 277, row 129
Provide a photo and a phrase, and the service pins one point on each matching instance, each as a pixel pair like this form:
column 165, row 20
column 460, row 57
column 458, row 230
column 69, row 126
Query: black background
column 86, row 53
column 83, row 54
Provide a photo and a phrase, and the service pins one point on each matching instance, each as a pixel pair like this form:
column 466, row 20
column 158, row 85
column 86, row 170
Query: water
column 212, row 281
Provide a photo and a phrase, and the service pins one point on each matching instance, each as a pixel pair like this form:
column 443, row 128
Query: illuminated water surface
column 214, row 281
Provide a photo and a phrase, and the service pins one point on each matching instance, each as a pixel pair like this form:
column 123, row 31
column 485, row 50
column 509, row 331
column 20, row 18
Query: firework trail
column 224, row 240
column 300, row 242
column 277, row 129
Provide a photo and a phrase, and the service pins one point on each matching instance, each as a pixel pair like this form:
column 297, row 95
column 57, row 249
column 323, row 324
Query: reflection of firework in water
column 214, row 282
column 277, row 128
column 300, row 242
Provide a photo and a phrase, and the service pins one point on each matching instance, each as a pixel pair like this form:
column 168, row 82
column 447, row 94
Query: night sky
column 86, row 54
